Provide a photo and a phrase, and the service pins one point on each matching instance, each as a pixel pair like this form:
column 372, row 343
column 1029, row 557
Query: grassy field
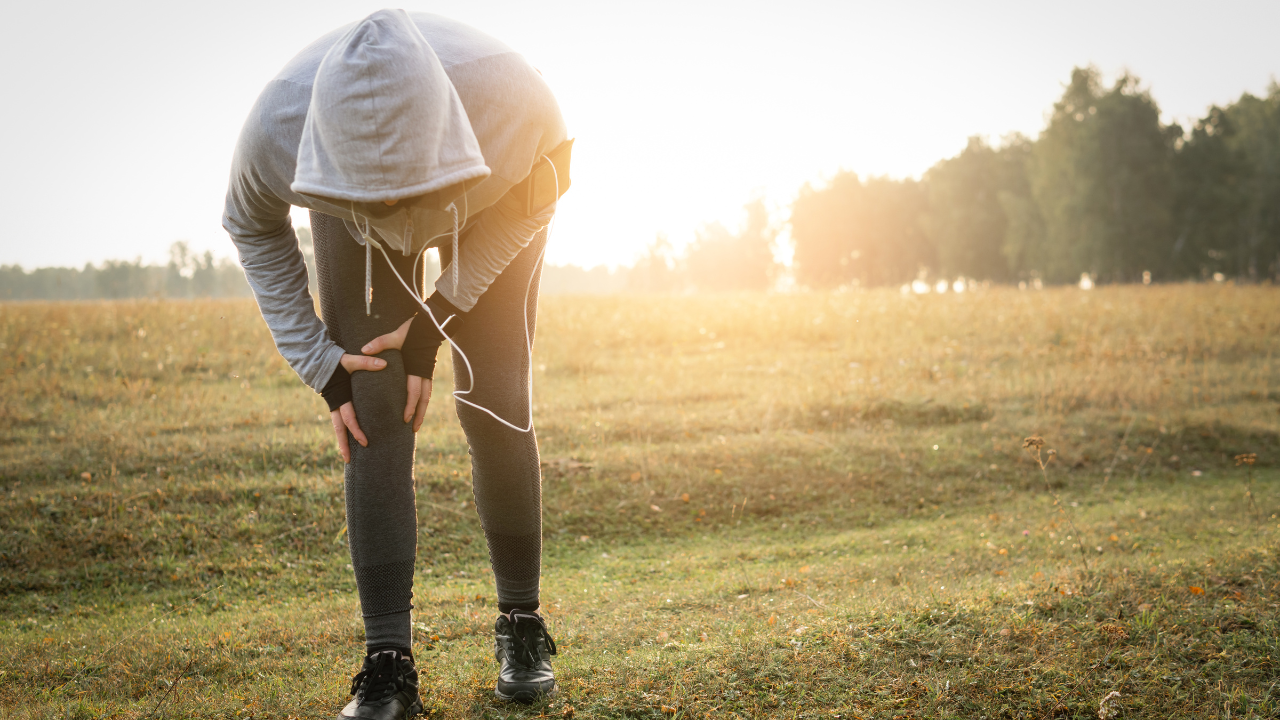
column 814, row 505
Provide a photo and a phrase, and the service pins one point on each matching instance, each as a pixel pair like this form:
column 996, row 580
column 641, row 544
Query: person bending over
column 401, row 132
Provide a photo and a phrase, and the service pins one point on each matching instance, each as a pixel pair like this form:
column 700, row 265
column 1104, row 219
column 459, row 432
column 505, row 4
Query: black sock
column 404, row 652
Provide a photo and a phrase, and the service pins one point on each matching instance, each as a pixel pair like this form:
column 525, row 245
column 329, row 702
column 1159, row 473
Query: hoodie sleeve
column 517, row 120
column 258, row 222
column 499, row 234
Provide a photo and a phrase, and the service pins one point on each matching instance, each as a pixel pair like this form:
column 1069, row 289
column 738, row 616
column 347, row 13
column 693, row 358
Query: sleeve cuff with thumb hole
column 424, row 339
column 337, row 392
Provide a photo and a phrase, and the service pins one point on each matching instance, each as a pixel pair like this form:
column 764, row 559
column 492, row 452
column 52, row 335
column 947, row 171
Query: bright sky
column 121, row 116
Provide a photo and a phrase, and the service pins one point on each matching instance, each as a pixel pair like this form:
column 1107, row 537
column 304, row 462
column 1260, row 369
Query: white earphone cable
column 440, row 326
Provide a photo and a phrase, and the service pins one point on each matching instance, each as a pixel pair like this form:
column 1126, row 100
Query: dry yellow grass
column 755, row 505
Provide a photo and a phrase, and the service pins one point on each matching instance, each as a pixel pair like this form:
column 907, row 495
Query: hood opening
column 385, row 122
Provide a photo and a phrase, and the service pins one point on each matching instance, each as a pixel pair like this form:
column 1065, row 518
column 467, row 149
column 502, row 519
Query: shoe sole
column 414, row 709
column 525, row 697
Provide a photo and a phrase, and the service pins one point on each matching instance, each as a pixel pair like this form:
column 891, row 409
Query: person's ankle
column 507, row 610
column 402, row 651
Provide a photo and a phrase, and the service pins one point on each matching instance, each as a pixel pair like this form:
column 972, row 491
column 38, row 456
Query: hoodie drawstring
column 455, row 262
column 365, row 227
column 368, row 260
column 368, row 276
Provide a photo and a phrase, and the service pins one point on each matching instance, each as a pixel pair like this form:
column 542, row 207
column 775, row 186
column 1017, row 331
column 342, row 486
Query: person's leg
column 506, row 478
column 381, row 515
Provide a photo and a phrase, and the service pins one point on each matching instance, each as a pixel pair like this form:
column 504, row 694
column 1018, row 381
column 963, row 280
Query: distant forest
column 186, row 276
column 1106, row 190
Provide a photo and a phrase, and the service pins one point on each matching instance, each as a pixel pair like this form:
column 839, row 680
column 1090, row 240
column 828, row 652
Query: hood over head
column 385, row 122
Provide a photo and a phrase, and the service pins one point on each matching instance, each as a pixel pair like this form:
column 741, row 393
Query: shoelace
column 378, row 681
column 527, row 630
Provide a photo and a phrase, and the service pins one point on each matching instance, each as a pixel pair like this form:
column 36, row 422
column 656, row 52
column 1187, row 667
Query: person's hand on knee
column 344, row 418
column 419, row 366
column 419, row 398
column 393, row 340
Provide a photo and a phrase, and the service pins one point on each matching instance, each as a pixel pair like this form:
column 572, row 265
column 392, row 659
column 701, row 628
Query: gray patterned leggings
column 506, row 481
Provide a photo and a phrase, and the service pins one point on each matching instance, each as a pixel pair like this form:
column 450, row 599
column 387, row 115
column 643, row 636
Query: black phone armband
column 548, row 180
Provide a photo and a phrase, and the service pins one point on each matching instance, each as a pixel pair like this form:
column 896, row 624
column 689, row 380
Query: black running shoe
column 386, row 688
column 523, row 649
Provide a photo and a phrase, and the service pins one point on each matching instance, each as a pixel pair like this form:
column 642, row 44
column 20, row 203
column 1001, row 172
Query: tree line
column 187, row 275
column 1107, row 189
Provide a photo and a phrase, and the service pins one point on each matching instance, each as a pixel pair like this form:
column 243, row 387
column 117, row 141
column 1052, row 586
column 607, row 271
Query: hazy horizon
column 682, row 112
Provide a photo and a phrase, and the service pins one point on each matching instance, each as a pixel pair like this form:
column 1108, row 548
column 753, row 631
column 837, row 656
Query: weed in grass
column 1248, row 460
column 1034, row 446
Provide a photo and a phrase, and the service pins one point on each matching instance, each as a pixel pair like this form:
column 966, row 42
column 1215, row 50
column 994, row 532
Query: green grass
column 810, row 505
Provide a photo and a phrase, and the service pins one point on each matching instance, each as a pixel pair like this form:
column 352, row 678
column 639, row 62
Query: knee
column 380, row 396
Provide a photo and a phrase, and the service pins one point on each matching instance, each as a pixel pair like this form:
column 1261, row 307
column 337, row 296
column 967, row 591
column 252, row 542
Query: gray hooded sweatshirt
column 400, row 105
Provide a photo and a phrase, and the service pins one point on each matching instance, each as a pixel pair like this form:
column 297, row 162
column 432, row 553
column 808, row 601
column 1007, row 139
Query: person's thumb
column 352, row 363
column 375, row 346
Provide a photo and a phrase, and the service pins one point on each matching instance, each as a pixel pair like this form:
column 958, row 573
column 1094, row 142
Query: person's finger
column 349, row 418
column 422, row 404
column 340, row 429
column 377, row 345
column 391, row 341
column 354, row 363
column 414, row 385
